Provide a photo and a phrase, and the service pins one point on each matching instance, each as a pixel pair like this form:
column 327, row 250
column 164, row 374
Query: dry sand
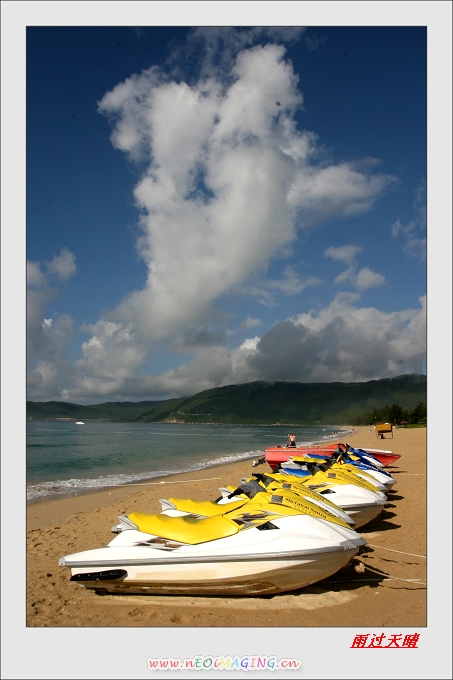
column 391, row 592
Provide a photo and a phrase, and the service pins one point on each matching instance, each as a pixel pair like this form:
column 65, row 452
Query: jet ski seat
column 308, row 459
column 185, row 529
column 204, row 508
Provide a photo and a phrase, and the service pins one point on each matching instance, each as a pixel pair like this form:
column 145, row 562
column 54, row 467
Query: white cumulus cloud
column 227, row 176
column 63, row 265
column 360, row 279
column 249, row 323
column 343, row 343
column 344, row 254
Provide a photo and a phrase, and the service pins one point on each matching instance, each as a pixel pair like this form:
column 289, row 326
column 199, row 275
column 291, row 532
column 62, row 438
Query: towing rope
column 181, row 481
column 396, row 551
column 414, row 581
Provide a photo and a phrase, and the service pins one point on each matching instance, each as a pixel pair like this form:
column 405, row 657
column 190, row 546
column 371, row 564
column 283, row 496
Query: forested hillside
column 258, row 402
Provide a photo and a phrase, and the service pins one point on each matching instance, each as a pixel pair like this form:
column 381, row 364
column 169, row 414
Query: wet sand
column 390, row 592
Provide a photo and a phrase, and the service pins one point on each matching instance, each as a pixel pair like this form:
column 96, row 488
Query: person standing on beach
column 291, row 439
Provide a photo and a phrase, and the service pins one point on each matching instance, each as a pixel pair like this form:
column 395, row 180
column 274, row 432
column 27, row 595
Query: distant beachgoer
column 291, row 439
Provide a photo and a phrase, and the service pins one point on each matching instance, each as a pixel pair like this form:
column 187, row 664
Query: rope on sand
column 181, row 481
column 396, row 551
column 414, row 581
column 360, row 568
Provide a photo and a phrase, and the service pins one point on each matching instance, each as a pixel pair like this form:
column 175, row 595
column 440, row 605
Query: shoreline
column 86, row 491
column 145, row 482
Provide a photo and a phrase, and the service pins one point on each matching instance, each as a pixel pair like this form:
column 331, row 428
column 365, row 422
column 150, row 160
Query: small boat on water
column 79, row 422
column 273, row 543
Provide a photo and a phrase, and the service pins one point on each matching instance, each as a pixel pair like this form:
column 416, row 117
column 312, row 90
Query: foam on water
column 61, row 488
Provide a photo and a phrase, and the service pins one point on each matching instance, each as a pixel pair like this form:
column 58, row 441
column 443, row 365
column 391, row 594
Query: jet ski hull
column 363, row 514
column 232, row 578
column 294, row 552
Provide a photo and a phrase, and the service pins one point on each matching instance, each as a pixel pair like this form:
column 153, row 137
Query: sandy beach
column 390, row 592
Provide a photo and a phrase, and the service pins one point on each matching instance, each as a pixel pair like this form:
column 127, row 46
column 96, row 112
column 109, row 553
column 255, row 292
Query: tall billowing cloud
column 214, row 195
column 228, row 181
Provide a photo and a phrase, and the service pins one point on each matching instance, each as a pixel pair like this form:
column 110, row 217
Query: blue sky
column 211, row 206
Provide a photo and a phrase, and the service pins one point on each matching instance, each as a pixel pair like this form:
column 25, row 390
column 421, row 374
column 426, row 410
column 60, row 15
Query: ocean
column 66, row 459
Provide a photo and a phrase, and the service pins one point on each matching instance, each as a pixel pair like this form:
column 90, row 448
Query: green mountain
column 256, row 403
column 112, row 410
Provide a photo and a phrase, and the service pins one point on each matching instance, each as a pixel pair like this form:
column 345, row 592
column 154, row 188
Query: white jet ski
column 270, row 544
column 381, row 481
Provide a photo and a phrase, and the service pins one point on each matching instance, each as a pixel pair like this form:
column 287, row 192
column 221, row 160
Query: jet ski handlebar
column 249, row 489
column 260, row 461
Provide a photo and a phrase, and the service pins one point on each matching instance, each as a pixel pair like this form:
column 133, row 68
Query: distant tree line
column 389, row 413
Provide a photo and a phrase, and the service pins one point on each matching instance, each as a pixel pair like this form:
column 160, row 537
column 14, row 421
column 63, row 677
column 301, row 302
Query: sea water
column 66, row 459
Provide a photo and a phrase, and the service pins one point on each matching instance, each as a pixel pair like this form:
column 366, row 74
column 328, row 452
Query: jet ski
column 270, row 544
column 378, row 456
column 384, row 457
column 365, row 456
column 379, row 474
column 299, row 465
column 235, row 497
column 352, row 463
